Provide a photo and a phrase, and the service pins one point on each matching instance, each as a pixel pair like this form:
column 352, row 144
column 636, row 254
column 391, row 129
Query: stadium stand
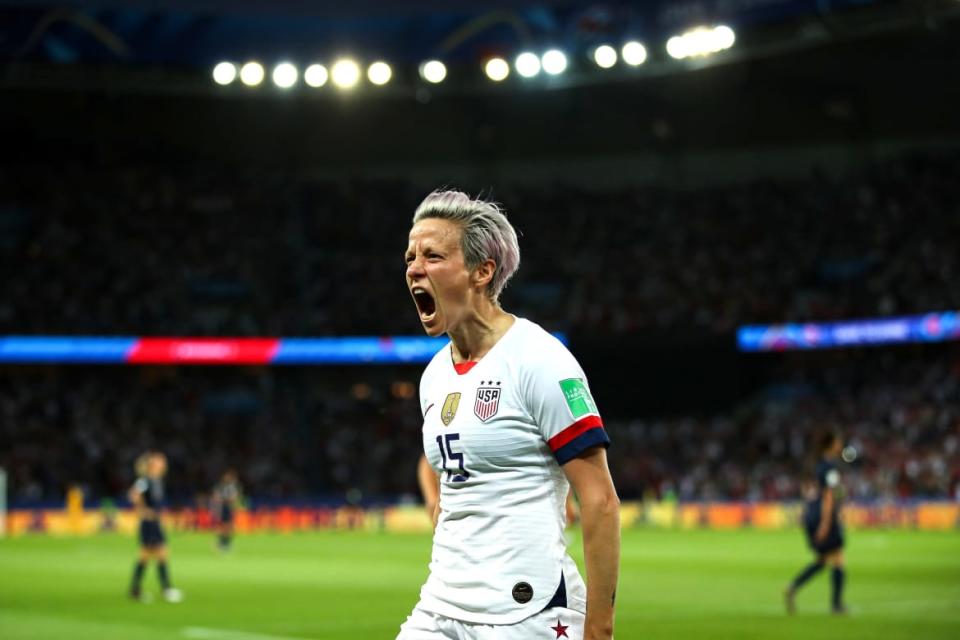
column 191, row 251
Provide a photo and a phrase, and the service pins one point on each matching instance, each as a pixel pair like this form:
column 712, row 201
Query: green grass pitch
column 676, row 585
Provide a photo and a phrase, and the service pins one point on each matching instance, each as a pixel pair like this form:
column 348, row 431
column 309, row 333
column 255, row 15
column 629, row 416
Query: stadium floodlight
column 634, row 53
column 702, row 41
column 251, row 74
column 285, row 75
column 554, row 62
column 345, row 73
column 224, row 73
column 316, row 75
column 497, row 69
column 433, row 71
column 605, row 56
column 677, row 47
column 725, row 37
column 527, row 64
column 379, row 73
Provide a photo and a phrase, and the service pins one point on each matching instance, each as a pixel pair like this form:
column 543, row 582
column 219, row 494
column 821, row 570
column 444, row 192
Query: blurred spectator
column 189, row 251
column 197, row 252
column 301, row 433
column 291, row 434
column 901, row 414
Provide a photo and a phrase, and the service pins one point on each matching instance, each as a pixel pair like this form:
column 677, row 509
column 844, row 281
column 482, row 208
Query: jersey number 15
column 447, row 454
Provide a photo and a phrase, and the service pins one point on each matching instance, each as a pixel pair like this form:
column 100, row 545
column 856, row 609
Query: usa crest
column 449, row 408
column 488, row 401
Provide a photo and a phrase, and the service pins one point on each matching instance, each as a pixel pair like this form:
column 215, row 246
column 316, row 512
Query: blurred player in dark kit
column 146, row 494
column 224, row 503
column 821, row 521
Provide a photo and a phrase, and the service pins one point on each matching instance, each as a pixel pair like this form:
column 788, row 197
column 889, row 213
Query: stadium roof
column 197, row 33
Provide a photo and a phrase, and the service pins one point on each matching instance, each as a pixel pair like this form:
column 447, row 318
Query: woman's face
column 837, row 448
column 437, row 276
column 157, row 466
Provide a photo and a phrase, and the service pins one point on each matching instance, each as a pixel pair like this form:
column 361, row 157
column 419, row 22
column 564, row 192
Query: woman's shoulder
column 538, row 351
column 530, row 336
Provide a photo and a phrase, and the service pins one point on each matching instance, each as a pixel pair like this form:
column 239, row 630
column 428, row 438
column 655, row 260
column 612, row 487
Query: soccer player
column 821, row 519
column 225, row 502
column 509, row 424
column 146, row 494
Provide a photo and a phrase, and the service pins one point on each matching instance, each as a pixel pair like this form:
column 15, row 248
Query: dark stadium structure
column 808, row 174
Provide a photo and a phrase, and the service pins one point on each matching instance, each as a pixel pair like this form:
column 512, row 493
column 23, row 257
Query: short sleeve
column 832, row 478
column 559, row 400
column 141, row 485
column 423, row 402
column 424, row 394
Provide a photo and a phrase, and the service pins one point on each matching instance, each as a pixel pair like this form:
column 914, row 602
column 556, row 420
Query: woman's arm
column 600, row 518
column 136, row 498
column 429, row 488
column 826, row 515
column 573, row 513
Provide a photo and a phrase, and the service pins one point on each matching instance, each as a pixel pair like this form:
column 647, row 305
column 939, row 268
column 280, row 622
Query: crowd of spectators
column 900, row 416
column 291, row 434
column 200, row 252
column 355, row 434
column 161, row 251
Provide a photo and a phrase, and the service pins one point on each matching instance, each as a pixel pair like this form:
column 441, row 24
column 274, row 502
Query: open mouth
column 426, row 305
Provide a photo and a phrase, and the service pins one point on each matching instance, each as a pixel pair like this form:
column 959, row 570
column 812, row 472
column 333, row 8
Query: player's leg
column 163, row 570
column 226, row 530
column 549, row 624
column 811, row 523
column 801, row 579
column 170, row 594
column 143, row 557
column 423, row 625
column 838, row 578
column 807, row 573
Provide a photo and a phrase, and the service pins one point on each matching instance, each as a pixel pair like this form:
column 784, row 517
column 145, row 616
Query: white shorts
column 549, row 624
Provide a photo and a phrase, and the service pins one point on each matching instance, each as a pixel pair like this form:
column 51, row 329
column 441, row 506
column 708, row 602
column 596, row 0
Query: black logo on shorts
column 522, row 592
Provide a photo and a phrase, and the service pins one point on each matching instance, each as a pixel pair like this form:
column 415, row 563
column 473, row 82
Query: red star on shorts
column 561, row 630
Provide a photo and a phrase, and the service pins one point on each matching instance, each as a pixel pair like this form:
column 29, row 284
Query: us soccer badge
column 488, row 400
column 449, row 408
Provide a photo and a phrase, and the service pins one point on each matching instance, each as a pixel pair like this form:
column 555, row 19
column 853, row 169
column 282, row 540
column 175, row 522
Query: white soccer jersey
column 497, row 434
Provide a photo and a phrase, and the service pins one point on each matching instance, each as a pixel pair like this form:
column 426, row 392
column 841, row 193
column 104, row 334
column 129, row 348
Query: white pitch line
column 207, row 633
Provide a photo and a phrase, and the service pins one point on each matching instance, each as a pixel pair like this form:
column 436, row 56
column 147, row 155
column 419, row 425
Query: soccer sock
column 164, row 575
column 224, row 541
column 812, row 569
column 138, row 570
column 838, row 577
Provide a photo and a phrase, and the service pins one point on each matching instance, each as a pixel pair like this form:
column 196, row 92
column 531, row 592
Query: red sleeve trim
column 578, row 428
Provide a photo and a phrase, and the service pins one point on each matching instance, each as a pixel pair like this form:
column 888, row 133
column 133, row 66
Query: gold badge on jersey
column 449, row 408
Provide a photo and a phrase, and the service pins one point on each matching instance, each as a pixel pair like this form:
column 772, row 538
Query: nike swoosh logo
column 428, row 409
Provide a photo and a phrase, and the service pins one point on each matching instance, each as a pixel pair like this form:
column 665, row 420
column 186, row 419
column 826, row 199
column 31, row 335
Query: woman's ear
column 483, row 274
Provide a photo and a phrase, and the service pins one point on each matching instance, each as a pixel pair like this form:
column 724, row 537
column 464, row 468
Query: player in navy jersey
column 146, row 494
column 821, row 521
column 225, row 502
